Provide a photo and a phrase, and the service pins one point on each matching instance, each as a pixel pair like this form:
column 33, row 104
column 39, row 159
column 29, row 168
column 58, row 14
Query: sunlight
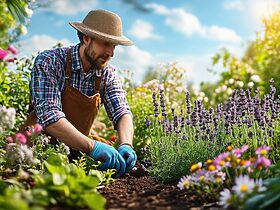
column 260, row 9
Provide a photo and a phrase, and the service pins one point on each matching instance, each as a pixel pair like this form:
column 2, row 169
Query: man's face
column 99, row 52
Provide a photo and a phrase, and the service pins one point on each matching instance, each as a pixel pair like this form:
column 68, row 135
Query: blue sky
column 186, row 32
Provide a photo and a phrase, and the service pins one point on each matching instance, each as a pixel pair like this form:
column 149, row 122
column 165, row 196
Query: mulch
column 137, row 190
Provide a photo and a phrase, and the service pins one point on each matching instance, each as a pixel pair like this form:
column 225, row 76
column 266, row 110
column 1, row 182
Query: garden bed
column 138, row 190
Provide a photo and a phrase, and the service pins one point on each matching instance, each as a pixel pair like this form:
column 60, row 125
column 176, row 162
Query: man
column 68, row 84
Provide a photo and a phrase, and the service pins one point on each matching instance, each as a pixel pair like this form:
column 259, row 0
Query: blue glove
column 129, row 156
column 109, row 156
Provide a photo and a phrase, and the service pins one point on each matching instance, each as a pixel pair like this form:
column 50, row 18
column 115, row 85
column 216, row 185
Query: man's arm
column 125, row 129
column 68, row 134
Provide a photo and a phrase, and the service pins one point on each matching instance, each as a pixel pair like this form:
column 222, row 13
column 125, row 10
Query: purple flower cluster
column 243, row 115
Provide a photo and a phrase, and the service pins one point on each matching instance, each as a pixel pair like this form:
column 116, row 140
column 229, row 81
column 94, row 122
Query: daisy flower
column 243, row 185
column 184, row 183
column 263, row 150
column 225, row 198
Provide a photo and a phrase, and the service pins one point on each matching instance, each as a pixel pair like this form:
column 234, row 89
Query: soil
column 138, row 190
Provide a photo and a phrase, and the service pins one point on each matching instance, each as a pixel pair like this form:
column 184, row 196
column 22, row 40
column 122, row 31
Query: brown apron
column 79, row 109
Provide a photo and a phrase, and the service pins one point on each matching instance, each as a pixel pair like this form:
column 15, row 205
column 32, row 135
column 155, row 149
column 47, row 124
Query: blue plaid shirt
column 48, row 84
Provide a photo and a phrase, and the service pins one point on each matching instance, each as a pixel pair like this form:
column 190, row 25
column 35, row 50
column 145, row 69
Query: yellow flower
column 196, row 166
column 263, row 152
column 222, row 163
column 209, row 161
column 229, row 148
column 227, row 159
column 211, row 167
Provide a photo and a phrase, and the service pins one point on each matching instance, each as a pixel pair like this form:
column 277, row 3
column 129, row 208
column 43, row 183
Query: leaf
column 94, row 201
column 272, row 197
column 57, row 159
column 253, row 202
column 58, row 173
column 58, row 178
column 60, row 189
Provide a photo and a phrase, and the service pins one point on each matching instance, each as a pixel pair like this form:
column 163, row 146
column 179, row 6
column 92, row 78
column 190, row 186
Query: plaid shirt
column 48, row 84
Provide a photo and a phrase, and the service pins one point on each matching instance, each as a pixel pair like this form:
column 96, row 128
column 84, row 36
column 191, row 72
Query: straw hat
column 104, row 25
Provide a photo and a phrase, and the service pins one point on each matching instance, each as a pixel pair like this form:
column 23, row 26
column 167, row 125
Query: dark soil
column 138, row 190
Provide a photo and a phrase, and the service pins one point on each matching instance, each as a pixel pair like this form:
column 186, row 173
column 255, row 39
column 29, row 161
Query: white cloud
column 39, row 43
column 234, row 4
column 138, row 61
column 69, row 7
column 222, row 34
column 143, row 30
column 133, row 59
column 189, row 24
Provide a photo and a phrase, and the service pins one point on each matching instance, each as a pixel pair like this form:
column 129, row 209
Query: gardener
column 68, row 85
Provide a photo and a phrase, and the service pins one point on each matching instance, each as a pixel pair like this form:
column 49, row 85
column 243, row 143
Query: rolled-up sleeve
column 45, row 89
column 114, row 98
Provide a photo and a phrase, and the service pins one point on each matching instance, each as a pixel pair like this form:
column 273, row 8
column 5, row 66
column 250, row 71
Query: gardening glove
column 129, row 156
column 109, row 156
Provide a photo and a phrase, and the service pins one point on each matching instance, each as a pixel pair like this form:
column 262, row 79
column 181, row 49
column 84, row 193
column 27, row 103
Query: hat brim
column 120, row 40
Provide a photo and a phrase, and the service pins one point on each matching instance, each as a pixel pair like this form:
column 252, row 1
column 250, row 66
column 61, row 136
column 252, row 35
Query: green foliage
column 172, row 156
column 14, row 86
column 264, row 55
column 237, row 74
column 16, row 8
column 67, row 184
column 260, row 60
column 13, row 19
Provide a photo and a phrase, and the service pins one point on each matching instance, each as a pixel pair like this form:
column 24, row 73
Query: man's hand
column 109, row 156
column 129, row 156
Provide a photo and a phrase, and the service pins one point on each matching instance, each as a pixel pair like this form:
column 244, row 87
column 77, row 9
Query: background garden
column 221, row 141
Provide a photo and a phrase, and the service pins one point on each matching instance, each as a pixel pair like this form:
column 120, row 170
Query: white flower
column 231, row 81
column 184, row 183
column 225, row 198
column 224, row 88
column 7, row 117
column 255, row 78
column 26, row 154
column 229, row 91
column 250, row 84
column 206, row 99
column 240, row 83
column 243, row 185
column 218, row 90
column 202, row 94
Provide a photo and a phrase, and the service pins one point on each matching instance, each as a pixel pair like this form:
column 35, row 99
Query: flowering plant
column 233, row 167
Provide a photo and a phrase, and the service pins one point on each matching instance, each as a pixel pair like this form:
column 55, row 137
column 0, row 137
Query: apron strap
column 68, row 67
column 97, row 81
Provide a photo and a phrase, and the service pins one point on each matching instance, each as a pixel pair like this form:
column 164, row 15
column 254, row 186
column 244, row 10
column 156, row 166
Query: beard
column 98, row 62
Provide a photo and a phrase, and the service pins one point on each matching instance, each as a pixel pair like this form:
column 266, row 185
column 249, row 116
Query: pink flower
column 262, row 162
column 12, row 49
column 21, row 138
column 3, row 54
column 37, row 128
column 28, row 133
column 9, row 139
column 220, row 162
column 263, row 150
column 238, row 152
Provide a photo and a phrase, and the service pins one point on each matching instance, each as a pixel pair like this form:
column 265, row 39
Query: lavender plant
column 194, row 133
